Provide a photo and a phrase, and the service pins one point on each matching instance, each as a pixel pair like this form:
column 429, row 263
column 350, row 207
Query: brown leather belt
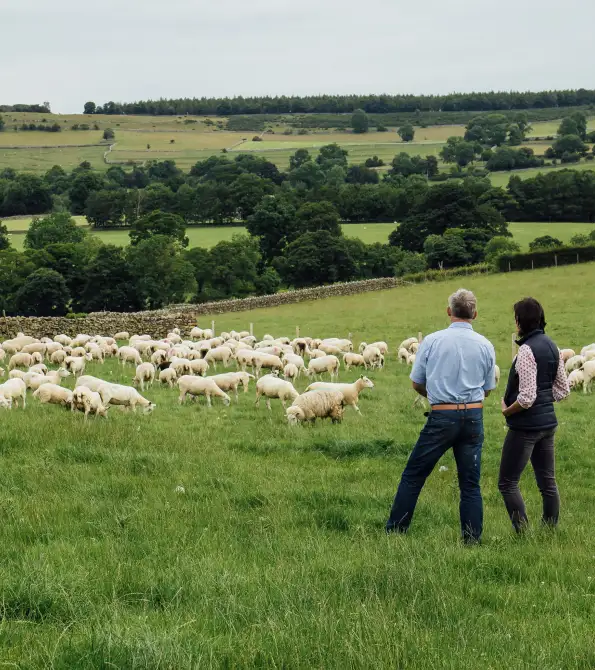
column 471, row 405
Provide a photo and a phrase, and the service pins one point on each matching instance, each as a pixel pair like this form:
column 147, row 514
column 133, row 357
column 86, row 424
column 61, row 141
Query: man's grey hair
column 462, row 304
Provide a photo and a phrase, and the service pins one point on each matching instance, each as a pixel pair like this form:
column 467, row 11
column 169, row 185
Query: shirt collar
column 461, row 324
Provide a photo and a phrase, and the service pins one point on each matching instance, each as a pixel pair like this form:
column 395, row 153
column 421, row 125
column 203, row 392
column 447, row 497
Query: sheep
column 129, row 355
column 76, row 365
column 40, row 368
column 229, row 381
column 291, row 371
column 267, row 361
column 90, row 382
column 350, row 392
column 145, row 372
column 372, row 356
column 58, row 357
column 299, row 346
column 273, row 350
column 574, row 363
column 313, row 404
column 271, row 386
column 53, row 394
column 64, row 340
column 566, row 354
column 245, row 357
column 21, row 360
column 34, row 380
column 575, row 379
column 588, row 370
column 196, row 333
column 207, row 333
column 51, row 347
column 315, row 353
column 168, row 376
column 328, row 364
column 330, row 349
column 589, row 347
column 406, row 343
column 219, row 354
column 354, row 360
column 195, row 386
column 298, row 361
column 411, row 359
column 40, row 347
column 16, row 374
column 181, row 365
column 127, row 396
column 158, row 357
column 174, row 338
column 497, row 375
column 96, row 352
column 381, row 346
column 78, row 352
column 199, row 366
column 413, row 348
column 17, row 343
column 88, row 401
column 590, row 355
column 14, row 389
column 344, row 345
column 402, row 355
column 80, row 340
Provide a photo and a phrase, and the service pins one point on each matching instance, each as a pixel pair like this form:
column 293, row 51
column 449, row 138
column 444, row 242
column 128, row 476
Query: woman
column 536, row 380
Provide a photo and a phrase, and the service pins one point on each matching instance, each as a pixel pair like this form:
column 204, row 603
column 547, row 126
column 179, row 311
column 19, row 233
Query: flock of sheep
column 185, row 363
column 174, row 361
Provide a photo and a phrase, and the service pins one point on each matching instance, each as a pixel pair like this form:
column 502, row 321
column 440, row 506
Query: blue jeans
column 463, row 431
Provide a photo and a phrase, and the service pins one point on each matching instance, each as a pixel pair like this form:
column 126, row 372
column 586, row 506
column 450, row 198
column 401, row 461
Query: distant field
column 502, row 178
column 370, row 233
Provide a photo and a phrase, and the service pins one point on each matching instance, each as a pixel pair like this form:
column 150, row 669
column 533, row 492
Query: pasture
column 273, row 553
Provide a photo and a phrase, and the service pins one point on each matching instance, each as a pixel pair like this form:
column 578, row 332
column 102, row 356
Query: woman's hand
column 503, row 405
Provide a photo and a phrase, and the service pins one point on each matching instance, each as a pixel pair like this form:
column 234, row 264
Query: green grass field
column 274, row 556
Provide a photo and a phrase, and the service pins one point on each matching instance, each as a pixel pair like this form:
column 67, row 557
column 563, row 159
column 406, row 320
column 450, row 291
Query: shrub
column 546, row 258
column 302, row 131
column 257, row 138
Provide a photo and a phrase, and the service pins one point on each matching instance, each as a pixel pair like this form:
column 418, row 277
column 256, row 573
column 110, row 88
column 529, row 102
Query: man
column 455, row 370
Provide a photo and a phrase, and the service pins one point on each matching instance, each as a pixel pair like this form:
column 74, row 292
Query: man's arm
column 491, row 381
column 419, row 388
column 418, row 374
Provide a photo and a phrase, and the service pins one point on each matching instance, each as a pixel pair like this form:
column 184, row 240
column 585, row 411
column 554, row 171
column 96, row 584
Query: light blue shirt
column 457, row 365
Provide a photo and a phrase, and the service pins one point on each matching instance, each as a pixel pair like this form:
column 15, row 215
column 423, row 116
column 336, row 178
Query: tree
column 316, row 258
column 106, row 208
column 498, row 246
column 515, row 136
column 247, row 191
column 445, row 251
column 575, row 124
column 406, row 132
column 358, row 174
column 274, row 223
column 300, row 157
column 108, row 134
column 162, row 275
column 25, row 194
column 579, row 240
column 268, row 282
column 332, row 154
column 308, row 175
column 487, row 129
column 109, row 284
column 89, row 108
column 458, row 150
column 200, row 259
column 316, row 216
column 82, row 185
column 360, row 121
column 234, row 267
column 4, row 238
column 160, row 224
column 545, row 242
column 43, row 293
column 53, row 229
column 569, row 144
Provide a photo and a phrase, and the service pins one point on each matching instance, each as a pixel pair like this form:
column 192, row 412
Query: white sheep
column 53, row 394
column 298, row 361
column 497, row 375
column 219, row 355
column 40, row 368
column 64, row 340
column 268, row 361
column 315, row 353
column 413, row 348
column 14, row 389
column 271, row 386
column 16, row 374
column 199, row 366
column 402, row 355
column 291, row 371
column 411, row 359
column 145, row 373
column 589, row 347
column 330, row 349
column 195, row 386
column 590, row 355
column 354, row 360
column 129, row 355
column 34, row 381
column 76, row 365
column 566, row 354
column 406, row 343
column 181, row 365
column 196, row 333
column 80, row 340
column 21, row 360
column 588, row 370
column 88, row 401
column 350, row 392
column 52, row 347
column 316, row 404
column 318, row 366
column 158, row 357
column 229, row 381
column 90, row 382
column 382, row 346
column 575, row 379
column 58, row 357
column 245, row 357
column 373, row 357
column 39, row 347
column 574, row 363
column 126, row 396
column 343, row 344
column 168, row 376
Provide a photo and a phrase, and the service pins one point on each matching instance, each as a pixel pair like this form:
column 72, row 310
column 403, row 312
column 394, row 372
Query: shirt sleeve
column 525, row 366
column 561, row 384
column 490, row 382
column 418, row 373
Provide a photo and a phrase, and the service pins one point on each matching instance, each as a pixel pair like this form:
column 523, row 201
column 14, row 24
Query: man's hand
column 419, row 388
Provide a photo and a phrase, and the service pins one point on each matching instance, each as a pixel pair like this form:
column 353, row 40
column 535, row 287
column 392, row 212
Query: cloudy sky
column 70, row 51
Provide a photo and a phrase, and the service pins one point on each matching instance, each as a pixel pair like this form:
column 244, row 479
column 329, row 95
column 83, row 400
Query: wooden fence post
column 577, row 256
column 297, row 331
column 213, row 328
column 509, row 266
column 555, row 260
column 532, row 263
column 419, row 337
column 513, row 349
column 250, row 329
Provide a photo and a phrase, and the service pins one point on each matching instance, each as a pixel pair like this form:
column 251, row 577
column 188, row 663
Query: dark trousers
column 461, row 430
column 538, row 447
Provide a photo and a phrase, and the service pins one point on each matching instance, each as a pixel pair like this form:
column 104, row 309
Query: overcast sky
column 70, row 51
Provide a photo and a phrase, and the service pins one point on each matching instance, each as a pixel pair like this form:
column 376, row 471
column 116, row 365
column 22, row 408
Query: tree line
column 378, row 104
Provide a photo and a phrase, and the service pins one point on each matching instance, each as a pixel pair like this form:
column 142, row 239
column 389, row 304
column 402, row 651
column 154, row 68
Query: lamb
column 291, row 371
column 168, row 376
column 21, row 360
column 588, row 370
column 34, row 381
column 566, row 354
column 229, row 381
column 381, row 346
column 271, row 386
column 88, row 401
column 245, row 357
column 14, row 389
column 575, row 379
column 574, row 363
column 199, row 366
column 129, row 355
column 181, row 365
column 406, row 343
column 328, row 364
column 196, row 333
column 195, row 386
column 145, row 372
column 330, row 349
column 267, row 361
column 127, row 396
column 313, row 404
column 350, row 392
column 497, row 374
column 40, row 368
column 373, row 356
column 354, row 360
column 402, row 355
column 53, row 394
column 76, row 365
column 219, row 354
column 58, row 357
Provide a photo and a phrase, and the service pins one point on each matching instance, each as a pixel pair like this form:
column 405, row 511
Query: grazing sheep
column 76, row 365
column 381, row 346
column 245, row 357
column 174, row 338
column 272, row 351
column 129, row 355
column 181, row 365
column 575, row 379
column 199, row 366
column 406, row 343
column 88, row 401
column 219, row 355
column 168, row 376
column 158, row 357
column 40, row 368
column 207, row 333
column 402, row 355
column 64, row 340
column 58, row 357
column 53, row 394
column 589, row 347
column 52, row 347
column 373, row 357
column 300, row 346
column 145, row 372
column 330, row 364
column 411, row 359
column 16, row 374
column 96, row 352
column 354, row 360
column 590, row 355
column 34, row 380
column 566, row 354
column 343, row 344
column 268, row 361
column 21, row 360
column 413, row 348
column 90, row 382
column 298, row 361
column 330, row 349
column 316, row 404
column 574, row 363
column 497, row 374
column 588, row 370
column 17, row 343
column 271, row 386
column 195, row 386
column 229, row 381
column 196, row 333
column 14, row 389
column 315, row 353
column 78, row 351
column 291, row 371
column 126, row 396
column 350, row 392
column 39, row 347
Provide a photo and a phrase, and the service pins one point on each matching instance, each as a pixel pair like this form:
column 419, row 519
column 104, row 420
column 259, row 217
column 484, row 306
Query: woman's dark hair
column 529, row 315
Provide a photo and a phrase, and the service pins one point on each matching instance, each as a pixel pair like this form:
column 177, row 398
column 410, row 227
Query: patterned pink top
column 525, row 366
